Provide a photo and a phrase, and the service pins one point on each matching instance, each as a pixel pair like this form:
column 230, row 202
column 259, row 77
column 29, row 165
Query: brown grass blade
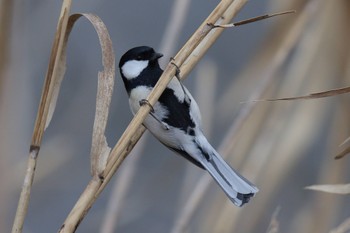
column 252, row 20
column 317, row 95
column 342, row 153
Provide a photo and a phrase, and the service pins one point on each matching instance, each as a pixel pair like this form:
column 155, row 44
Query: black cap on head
column 139, row 53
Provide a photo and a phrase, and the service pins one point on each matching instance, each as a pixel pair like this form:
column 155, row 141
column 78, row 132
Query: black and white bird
column 176, row 122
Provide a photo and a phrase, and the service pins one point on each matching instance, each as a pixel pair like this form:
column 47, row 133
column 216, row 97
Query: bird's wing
column 183, row 113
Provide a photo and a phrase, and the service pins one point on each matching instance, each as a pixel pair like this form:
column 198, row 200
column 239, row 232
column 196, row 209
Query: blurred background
column 281, row 146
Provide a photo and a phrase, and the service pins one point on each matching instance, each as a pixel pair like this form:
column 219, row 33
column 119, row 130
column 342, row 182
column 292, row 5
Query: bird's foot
column 146, row 102
column 164, row 125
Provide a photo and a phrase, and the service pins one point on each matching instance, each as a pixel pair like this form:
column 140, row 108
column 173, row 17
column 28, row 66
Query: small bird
column 175, row 120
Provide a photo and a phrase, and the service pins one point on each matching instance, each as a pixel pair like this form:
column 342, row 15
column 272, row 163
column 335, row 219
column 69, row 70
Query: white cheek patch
column 132, row 69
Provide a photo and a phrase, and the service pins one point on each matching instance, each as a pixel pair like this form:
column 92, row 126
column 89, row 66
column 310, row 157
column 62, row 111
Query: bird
column 175, row 120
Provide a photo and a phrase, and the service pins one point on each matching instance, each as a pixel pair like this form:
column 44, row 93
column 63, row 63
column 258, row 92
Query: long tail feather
column 236, row 187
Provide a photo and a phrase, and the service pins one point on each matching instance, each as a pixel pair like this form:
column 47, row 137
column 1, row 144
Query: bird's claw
column 177, row 71
column 163, row 124
column 146, row 102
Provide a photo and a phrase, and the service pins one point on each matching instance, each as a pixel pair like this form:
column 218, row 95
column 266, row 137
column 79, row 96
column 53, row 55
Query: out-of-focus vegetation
column 281, row 146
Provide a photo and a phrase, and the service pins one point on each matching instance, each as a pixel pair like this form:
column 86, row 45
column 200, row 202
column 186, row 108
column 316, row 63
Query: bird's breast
column 137, row 94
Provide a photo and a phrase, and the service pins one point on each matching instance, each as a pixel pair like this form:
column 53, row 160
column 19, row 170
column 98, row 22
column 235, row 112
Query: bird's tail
column 236, row 187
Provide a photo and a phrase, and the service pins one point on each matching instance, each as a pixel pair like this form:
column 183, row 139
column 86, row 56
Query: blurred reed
column 281, row 146
column 277, row 140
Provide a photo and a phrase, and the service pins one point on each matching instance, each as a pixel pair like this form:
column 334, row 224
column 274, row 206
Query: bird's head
column 135, row 60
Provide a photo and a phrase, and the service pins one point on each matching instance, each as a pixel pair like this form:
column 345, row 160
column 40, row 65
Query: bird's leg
column 177, row 75
column 163, row 124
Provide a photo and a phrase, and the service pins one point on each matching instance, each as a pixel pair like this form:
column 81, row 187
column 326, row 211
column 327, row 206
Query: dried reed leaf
column 331, row 188
column 56, row 84
column 99, row 148
column 333, row 92
column 252, row 20
column 343, row 153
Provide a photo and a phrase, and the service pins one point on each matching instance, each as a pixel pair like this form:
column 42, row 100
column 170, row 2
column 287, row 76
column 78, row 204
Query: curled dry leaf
column 99, row 148
column 331, row 188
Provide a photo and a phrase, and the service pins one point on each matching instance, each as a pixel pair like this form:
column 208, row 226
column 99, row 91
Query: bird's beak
column 156, row 56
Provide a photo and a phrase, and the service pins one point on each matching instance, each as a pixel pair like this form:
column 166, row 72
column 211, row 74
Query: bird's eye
column 138, row 57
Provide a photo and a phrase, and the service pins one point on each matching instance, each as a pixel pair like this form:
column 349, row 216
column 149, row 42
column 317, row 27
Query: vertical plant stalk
column 42, row 116
column 134, row 131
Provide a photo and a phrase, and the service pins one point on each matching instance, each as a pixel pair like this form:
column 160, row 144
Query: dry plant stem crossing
column 42, row 117
column 134, row 131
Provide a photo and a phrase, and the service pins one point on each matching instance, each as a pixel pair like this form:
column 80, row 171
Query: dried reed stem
column 42, row 116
